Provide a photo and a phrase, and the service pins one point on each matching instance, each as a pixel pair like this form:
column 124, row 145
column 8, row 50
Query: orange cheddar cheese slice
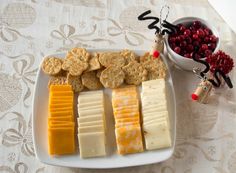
column 61, row 105
column 61, row 141
column 60, row 101
column 69, row 108
column 62, row 93
column 60, row 88
column 61, row 113
column 64, row 118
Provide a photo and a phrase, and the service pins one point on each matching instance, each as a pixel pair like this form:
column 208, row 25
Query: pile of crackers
column 93, row 71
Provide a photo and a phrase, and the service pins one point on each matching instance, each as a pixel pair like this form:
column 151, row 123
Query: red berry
column 187, row 32
column 206, row 39
column 182, row 28
column 204, row 47
column 200, row 33
column 183, row 44
column 197, row 24
column 207, row 31
column 194, row 97
column 187, row 55
column 156, row 54
column 195, row 36
column 208, row 52
column 177, row 50
column 213, row 38
column 189, row 48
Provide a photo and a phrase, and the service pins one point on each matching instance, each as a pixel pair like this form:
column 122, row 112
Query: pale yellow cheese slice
column 157, row 136
column 89, row 118
column 92, row 123
column 92, row 144
column 90, row 129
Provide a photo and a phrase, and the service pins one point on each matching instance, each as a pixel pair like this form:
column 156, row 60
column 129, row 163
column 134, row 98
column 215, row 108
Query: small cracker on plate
column 57, row 80
column 78, row 53
column 94, row 63
column 111, row 58
column 52, row 65
column 129, row 56
column 90, row 80
column 155, row 67
column 112, row 77
column 75, row 82
column 135, row 73
column 74, row 66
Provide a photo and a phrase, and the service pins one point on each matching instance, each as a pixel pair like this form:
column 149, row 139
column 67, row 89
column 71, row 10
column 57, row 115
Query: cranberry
column 187, row 55
column 196, row 43
column 177, row 49
column 208, row 52
column 183, row 44
column 206, row 39
column 197, row 24
column 200, row 33
column 188, row 39
column 171, row 39
column 213, row 38
column 189, row 48
column 187, row 32
column 212, row 46
column 204, row 47
column 207, row 31
column 195, row 36
column 182, row 28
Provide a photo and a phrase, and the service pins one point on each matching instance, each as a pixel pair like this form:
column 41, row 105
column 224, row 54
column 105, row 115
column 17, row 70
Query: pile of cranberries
column 191, row 37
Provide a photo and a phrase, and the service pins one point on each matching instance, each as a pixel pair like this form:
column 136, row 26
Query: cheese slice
column 127, row 119
column 57, row 102
column 61, row 109
column 155, row 110
column 90, row 112
column 127, row 115
column 64, row 118
column 60, row 105
column 90, row 129
column 92, row 123
column 60, row 88
column 126, row 107
column 61, row 113
column 92, row 144
column 126, row 110
column 126, row 124
column 157, row 136
column 90, row 99
column 62, row 93
column 121, row 103
column 89, row 93
column 153, row 106
column 129, row 139
column 89, row 107
column 89, row 119
column 61, row 141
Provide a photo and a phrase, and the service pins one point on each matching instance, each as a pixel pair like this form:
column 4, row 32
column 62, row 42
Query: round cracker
column 112, row 77
column 90, row 81
column 75, row 67
column 129, row 56
column 75, row 82
column 135, row 73
column 156, row 68
column 111, row 58
column 52, row 65
column 78, row 53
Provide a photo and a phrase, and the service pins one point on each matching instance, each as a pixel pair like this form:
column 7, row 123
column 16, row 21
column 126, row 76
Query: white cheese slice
column 157, row 136
column 89, row 129
column 85, row 124
column 89, row 118
column 90, row 112
column 92, row 144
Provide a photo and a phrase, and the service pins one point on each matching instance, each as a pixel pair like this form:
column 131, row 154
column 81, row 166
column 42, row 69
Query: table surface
column 31, row 29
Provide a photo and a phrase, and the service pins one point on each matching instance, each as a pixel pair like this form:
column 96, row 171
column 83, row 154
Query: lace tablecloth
column 30, row 29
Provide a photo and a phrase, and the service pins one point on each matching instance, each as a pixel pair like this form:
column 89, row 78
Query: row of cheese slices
column 61, row 124
column 125, row 103
column 155, row 115
column 91, row 124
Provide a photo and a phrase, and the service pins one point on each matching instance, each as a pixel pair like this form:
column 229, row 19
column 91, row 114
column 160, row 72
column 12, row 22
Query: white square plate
column 112, row 160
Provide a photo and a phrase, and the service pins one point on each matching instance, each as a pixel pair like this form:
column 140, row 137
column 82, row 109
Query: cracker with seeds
column 78, row 53
column 112, row 77
column 111, row 58
column 156, row 68
column 52, row 65
column 99, row 72
column 135, row 73
column 90, row 81
column 75, row 67
column 94, row 63
column 146, row 57
column 75, row 82
column 129, row 56
column 57, row 80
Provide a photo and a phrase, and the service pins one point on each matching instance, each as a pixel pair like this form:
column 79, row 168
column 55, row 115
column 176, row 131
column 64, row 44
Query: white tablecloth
column 30, row 29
